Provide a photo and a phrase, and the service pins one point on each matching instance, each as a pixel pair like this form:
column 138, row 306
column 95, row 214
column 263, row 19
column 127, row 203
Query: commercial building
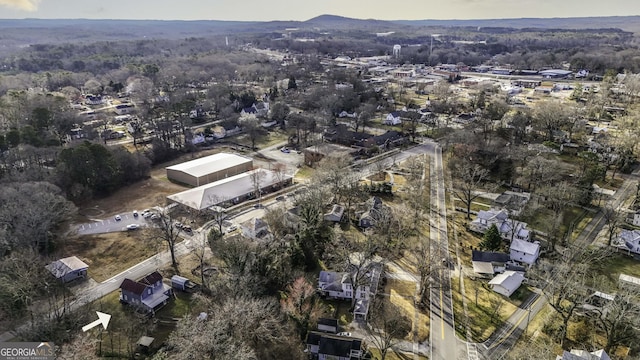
column 209, row 169
column 232, row 190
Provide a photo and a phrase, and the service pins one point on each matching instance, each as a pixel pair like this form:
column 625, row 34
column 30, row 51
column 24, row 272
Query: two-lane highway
column 444, row 344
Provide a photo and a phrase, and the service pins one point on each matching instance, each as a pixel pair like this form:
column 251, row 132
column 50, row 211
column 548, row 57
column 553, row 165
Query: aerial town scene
column 395, row 181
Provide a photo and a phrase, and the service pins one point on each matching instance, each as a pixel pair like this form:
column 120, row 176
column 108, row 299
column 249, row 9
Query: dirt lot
column 109, row 254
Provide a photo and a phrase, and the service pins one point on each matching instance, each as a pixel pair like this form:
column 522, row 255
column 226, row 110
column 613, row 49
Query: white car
column 118, row 218
column 133, row 227
column 232, row 228
column 135, row 213
column 147, row 215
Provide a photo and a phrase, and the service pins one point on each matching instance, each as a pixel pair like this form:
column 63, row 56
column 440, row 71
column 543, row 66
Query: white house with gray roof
column 524, row 251
column 507, row 282
column 628, row 240
column 509, row 229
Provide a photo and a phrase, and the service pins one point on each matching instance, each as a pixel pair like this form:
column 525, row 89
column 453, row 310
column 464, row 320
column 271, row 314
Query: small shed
column 182, row 283
column 145, row 341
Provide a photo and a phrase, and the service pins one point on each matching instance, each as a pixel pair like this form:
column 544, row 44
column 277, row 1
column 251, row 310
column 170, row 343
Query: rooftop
column 210, row 164
column 62, row 267
column 524, row 246
column 224, row 190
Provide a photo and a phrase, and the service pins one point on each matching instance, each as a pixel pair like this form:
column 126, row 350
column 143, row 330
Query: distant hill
column 627, row 23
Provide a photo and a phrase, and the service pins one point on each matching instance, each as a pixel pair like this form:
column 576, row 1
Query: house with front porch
column 339, row 285
column 148, row 294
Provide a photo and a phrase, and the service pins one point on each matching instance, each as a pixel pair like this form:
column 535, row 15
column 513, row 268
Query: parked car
column 285, row 150
column 178, row 225
column 155, row 217
column 348, row 334
column 279, row 198
column 135, row 213
column 147, row 215
column 118, row 218
column 232, row 228
column 133, row 227
column 187, row 229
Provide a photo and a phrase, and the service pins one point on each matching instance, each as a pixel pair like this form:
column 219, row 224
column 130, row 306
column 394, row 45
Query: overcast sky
column 265, row 10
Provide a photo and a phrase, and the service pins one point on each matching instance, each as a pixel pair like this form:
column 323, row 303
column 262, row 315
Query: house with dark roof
column 340, row 134
column 374, row 211
column 513, row 201
column 393, row 118
column 332, row 347
column 489, row 263
column 385, row 141
column 147, row 294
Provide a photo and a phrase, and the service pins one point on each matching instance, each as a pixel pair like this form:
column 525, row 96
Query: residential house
column 512, row 201
column 260, row 109
column 490, row 263
column 68, row 269
column 345, row 114
column 374, row 211
column 123, row 109
column 628, row 240
column 509, row 229
column 256, row 229
column 393, row 118
column 230, row 130
column 323, row 346
column 524, row 252
column 335, row 215
column 583, row 355
column 93, row 100
column 340, row 134
column 147, row 294
column 635, row 218
column 507, row 282
column 385, row 141
column 338, row 285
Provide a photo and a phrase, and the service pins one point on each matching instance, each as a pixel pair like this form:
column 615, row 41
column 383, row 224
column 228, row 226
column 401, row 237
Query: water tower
column 396, row 50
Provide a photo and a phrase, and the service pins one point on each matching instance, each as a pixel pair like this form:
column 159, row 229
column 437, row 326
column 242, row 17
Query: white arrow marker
column 102, row 319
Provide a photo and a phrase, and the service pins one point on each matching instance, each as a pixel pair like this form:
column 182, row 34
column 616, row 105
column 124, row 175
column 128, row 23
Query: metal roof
column 224, row 190
column 210, row 164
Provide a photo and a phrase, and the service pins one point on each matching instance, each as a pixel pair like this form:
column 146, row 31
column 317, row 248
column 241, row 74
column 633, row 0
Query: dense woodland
column 263, row 303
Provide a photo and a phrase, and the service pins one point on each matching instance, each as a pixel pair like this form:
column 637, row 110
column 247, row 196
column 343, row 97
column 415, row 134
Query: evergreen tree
column 491, row 240
column 292, row 83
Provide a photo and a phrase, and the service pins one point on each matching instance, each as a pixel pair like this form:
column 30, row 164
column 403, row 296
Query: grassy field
column 402, row 295
column 490, row 311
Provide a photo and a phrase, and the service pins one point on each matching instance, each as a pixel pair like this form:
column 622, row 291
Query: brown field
column 109, row 254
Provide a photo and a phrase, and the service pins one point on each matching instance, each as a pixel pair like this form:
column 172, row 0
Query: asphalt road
column 444, row 344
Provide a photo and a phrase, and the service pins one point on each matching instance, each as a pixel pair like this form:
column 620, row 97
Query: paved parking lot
column 291, row 160
column 111, row 225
